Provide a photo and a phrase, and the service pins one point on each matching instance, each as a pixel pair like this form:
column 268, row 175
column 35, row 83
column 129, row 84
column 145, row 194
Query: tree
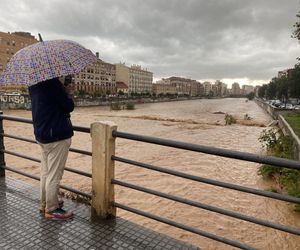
column 262, row 91
column 282, row 89
column 294, row 82
column 296, row 31
column 120, row 92
column 250, row 96
column 271, row 89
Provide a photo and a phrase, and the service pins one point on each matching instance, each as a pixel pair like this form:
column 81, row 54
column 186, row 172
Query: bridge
column 97, row 226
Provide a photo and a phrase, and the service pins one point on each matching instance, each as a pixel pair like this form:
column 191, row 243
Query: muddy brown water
column 200, row 122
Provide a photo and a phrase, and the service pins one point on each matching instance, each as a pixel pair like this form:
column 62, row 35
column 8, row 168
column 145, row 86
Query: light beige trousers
column 53, row 161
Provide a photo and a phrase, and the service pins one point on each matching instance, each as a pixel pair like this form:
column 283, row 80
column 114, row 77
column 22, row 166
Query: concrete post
column 103, row 147
column 2, row 162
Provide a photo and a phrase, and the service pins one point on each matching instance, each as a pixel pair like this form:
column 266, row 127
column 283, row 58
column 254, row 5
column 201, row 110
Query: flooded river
column 199, row 122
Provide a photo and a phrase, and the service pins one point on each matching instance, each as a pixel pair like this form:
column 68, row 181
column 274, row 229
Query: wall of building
column 122, row 73
column 10, row 43
column 14, row 102
column 99, row 77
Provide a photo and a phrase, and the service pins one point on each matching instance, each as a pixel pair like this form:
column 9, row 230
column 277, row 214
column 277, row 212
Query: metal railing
column 15, row 170
column 213, row 151
column 103, row 164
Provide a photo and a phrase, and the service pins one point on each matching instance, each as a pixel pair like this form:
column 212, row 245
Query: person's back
column 51, row 106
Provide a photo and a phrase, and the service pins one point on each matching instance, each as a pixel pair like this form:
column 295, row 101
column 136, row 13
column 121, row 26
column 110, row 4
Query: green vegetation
column 279, row 145
column 296, row 31
column 286, row 86
column 294, row 121
column 130, row 105
column 229, row 119
column 118, row 106
column 115, row 106
column 250, row 96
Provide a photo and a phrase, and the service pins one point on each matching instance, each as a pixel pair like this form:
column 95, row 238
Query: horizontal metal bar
column 25, row 120
column 82, row 129
column 272, row 195
column 20, row 155
column 19, row 138
column 37, row 178
column 80, row 151
column 210, row 208
column 16, row 119
column 184, row 227
column 75, row 150
column 37, row 160
column 270, row 160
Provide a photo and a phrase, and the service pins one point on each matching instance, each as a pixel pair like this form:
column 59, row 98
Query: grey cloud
column 194, row 38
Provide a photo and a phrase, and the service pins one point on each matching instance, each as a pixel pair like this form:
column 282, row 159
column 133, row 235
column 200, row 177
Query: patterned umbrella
column 46, row 60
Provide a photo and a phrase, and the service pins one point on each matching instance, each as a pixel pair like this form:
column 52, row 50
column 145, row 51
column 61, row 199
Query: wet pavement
column 23, row 227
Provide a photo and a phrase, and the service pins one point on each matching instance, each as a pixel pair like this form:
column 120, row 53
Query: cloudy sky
column 231, row 40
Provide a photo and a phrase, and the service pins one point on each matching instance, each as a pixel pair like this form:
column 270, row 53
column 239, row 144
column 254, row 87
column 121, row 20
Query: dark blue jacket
column 51, row 107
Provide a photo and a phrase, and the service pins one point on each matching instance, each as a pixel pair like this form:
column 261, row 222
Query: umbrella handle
column 40, row 37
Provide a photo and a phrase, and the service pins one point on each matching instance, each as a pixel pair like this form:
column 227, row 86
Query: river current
column 197, row 121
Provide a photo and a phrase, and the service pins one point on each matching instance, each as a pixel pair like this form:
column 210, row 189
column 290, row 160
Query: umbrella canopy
column 46, row 60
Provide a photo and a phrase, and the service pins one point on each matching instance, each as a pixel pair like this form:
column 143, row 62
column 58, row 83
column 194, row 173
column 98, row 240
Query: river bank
column 22, row 101
column 197, row 121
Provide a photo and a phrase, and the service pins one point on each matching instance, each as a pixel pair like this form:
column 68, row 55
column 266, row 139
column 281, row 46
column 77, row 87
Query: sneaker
column 43, row 207
column 58, row 214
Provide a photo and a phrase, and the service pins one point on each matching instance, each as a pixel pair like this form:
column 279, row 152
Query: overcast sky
column 231, row 40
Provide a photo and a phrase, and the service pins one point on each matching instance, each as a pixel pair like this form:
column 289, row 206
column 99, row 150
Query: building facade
column 96, row 79
column 207, row 88
column 137, row 79
column 247, row 89
column 235, row 89
column 219, row 89
column 122, row 87
column 163, row 87
column 179, row 86
column 10, row 43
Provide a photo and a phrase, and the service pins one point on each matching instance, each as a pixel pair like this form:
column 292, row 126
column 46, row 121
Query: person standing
column 51, row 107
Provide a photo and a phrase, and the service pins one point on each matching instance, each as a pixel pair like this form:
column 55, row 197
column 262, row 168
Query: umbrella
column 46, row 60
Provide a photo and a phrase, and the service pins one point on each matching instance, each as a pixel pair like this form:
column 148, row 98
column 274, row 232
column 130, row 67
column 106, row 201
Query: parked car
column 287, row 106
column 297, row 106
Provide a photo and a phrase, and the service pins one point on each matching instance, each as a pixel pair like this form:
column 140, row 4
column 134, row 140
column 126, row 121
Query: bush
column 115, row 106
column 268, row 138
column 229, row 119
column 281, row 146
column 130, row 105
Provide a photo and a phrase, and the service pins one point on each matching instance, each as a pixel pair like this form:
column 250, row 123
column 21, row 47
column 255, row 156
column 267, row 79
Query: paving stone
column 23, row 227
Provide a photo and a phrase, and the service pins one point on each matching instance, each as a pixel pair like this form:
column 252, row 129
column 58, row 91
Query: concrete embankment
column 23, row 101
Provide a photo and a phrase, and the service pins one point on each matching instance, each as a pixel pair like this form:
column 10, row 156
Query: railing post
column 103, row 168
column 2, row 162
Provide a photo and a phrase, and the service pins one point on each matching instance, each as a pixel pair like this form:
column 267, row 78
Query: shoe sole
column 59, row 219
column 60, row 205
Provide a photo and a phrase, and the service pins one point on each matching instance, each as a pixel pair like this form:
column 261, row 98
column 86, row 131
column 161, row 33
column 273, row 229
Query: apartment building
column 207, row 88
column 197, row 88
column 97, row 79
column 219, row 88
column 235, row 89
column 10, row 43
column 179, row 86
column 247, row 89
column 137, row 79
column 163, row 87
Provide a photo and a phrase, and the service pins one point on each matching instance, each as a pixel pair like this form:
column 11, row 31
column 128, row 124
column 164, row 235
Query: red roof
column 121, row 85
